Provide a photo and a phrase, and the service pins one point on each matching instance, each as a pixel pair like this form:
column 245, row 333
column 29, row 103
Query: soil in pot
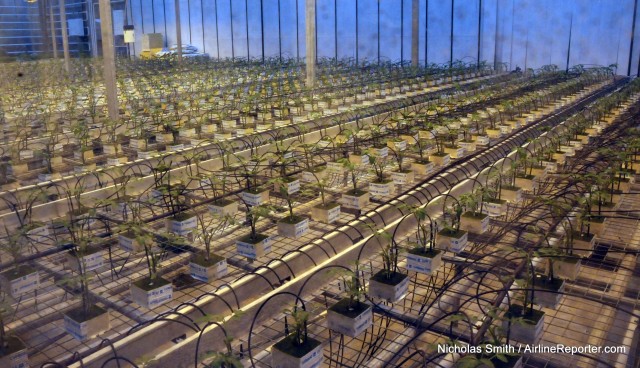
column 286, row 354
column 253, row 247
column 350, row 320
column 14, row 355
column 146, row 284
column 582, row 243
column 424, row 261
column 86, row 325
column 289, row 347
column 352, row 311
column 390, row 286
column 452, row 240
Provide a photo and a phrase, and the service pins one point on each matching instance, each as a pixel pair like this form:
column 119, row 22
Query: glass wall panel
column 346, row 29
column 406, row 29
column 224, row 28
column 289, row 34
column 255, row 28
column 210, row 28
column 423, row 30
column 239, row 18
column 148, row 24
column 439, row 31
column 196, row 34
column 301, row 28
column 488, row 31
column 271, row 41
column 169, row 17
column 160, row 18
column 367, row 33
column 600, row 30
column 326, row 28
column 390, row 27
column 465, row 30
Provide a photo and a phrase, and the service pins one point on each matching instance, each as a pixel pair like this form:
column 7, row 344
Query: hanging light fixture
column 129, row 34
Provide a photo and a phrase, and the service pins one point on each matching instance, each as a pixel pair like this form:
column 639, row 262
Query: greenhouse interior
column 319, row 183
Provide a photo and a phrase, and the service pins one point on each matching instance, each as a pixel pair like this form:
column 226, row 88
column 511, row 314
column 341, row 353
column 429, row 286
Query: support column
column 52, row 24
column 65, row 35
column 310, row 24
column 415, row 27
column 108, row 55
column 178, row 30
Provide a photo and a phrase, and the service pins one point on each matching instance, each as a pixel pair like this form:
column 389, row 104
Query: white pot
column 129, row 243
column 440, row 160
column 326, row 215
column 468, row 146
column 357, row 202
column 154, row 297
column 282, row 359
column 548, row 299
column 181, row 226
column 208, row 273
column 39, row 234
column 17, row 358
column 495, row 209
column 382, row 189
column 290, row 187
column 84, row 330
column 452, row 243
column 397, row 145
column 312, row 177
column 422, row 169
column 146, row 154
column 528, row 184
column 511, row 195
column 23, row 283
column 335, row 168
column 224, row 209
column 474, row 224
column 255, row 199
column 388, row 291
column 402, row 178
column 229, row 124
column 456, row 152
column 381, row 152
column 425, row 264
column 351, row 326
column 89, row 262
column 483, row 140
column 294, row 230
column 528, row 333
column 359, row 159
column 253, row 250
column 116, row 161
